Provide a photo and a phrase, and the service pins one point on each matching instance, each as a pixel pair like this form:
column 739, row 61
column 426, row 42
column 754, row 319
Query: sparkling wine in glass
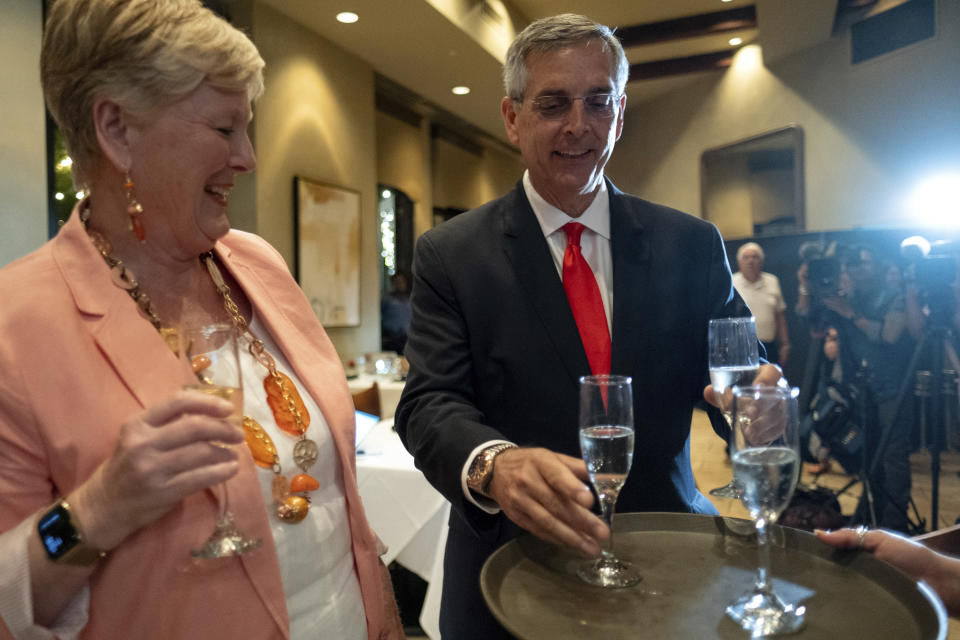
column 766, row 465
column 733, row 360
column 211, row 353
column 606, row 443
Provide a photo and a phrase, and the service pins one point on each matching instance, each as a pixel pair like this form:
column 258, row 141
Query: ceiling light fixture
column 347, row 17
column 460, row 90
column 735, row 42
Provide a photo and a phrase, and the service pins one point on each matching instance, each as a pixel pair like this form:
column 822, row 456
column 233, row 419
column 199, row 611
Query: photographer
column 868, row 314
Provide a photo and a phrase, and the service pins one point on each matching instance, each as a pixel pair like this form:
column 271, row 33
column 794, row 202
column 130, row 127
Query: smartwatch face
column 57, row 532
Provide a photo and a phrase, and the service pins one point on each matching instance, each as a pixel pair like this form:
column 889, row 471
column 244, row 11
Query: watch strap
column 63, row 540
column 481, row 469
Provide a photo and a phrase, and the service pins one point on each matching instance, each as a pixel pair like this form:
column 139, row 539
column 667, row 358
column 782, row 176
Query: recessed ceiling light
column 736, row 41
column 347, row 17
column 460, row 90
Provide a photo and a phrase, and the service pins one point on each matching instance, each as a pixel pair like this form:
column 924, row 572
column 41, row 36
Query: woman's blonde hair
column 141, row 54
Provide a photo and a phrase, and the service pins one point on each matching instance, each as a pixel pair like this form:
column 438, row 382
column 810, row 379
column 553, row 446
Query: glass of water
column 766, row 465
column 606, row 443
column 734, row 359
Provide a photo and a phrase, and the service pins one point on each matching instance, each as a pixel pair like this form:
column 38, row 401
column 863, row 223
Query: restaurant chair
column 368, row 400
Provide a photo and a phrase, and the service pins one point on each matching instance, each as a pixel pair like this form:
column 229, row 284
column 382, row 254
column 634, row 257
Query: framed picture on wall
column 327, row 245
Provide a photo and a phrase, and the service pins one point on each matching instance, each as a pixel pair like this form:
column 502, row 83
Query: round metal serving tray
column 692, row 567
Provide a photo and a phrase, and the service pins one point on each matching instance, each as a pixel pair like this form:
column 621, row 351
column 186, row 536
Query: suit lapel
column 527, row 251
column 630, row 253
column 130, row 343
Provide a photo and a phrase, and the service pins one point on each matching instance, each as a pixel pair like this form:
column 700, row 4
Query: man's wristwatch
column 62, row 539
column 481, row 469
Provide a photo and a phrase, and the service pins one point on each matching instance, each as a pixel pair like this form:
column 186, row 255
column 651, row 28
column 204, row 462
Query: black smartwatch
column 62, row 540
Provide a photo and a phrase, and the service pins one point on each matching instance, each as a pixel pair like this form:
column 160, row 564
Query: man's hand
column 545, row 493
column 769, row 375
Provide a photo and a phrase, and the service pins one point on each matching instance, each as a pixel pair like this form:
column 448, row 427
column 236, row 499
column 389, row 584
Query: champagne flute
column 211, row 354
column 606, row 443
column 733, row 360
column 766, row 465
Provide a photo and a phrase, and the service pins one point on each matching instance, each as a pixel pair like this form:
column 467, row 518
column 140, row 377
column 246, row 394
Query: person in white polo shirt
column 761, row 292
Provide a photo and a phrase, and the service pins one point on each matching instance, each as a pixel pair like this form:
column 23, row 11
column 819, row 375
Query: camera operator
column 933, row 318
column 844, row 292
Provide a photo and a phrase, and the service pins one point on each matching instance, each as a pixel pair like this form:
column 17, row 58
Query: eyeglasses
column 598, row 105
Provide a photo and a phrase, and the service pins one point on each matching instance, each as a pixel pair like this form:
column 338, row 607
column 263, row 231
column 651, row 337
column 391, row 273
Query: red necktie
column 585, row 302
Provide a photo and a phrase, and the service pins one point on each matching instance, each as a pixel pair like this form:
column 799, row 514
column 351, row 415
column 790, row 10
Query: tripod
column 936, row 340
column 853, row 445
column 849, row 389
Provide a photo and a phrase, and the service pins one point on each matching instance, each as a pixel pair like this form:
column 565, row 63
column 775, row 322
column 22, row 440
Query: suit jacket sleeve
column 437, row 418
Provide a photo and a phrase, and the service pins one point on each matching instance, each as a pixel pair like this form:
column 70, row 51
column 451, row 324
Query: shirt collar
column 756, row 284
column 596, row 217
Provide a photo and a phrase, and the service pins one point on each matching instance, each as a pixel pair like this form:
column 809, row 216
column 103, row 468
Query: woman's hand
column 163, row 454
column 940, row 571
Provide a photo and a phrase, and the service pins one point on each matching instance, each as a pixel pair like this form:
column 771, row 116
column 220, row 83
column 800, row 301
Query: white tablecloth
column 389, row 391
column 408, row 514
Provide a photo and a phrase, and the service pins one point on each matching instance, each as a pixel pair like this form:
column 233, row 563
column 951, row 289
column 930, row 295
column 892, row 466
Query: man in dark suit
column 496, row 350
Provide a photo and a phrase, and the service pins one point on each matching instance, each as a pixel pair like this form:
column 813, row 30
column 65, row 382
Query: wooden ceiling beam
column 677, row 66
column 703, row 24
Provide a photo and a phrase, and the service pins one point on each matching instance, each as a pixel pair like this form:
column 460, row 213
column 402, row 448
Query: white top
column 764, row 299
column 323, row 594
column 315, row 556
column 595, row 247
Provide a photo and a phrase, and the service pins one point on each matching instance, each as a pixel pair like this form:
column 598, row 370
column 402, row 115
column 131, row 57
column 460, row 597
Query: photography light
column 934, row 200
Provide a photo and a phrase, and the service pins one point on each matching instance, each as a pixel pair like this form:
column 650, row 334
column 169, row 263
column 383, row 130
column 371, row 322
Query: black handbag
column 832, row 416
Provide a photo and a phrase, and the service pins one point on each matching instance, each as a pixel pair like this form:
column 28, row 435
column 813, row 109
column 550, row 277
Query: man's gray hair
column 747, row 247
column 559, row 32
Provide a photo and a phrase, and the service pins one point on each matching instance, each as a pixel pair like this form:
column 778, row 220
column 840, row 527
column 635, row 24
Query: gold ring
column 861, row 534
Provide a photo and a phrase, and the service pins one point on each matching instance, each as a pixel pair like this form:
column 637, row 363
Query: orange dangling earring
column 134, row 209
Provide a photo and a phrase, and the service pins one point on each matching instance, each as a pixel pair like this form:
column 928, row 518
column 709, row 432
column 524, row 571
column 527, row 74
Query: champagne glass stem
column 607, row 503
column 763, row 556
column 224, row 500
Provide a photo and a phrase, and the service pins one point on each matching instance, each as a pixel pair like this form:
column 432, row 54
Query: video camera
column 934, row 268
column 824, row 266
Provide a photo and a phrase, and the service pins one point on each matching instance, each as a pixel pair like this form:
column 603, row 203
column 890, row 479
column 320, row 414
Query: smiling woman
column 103, row 420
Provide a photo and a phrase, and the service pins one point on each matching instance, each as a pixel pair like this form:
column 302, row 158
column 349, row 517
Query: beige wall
column 466, row 180
column 728, row 199
column 317, row 120
column 435, row 172
column 871, row 130
column 403, row 162
column 23, row 181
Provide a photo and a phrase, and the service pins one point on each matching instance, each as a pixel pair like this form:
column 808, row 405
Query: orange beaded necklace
column 291, row 498
column 289, row 412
